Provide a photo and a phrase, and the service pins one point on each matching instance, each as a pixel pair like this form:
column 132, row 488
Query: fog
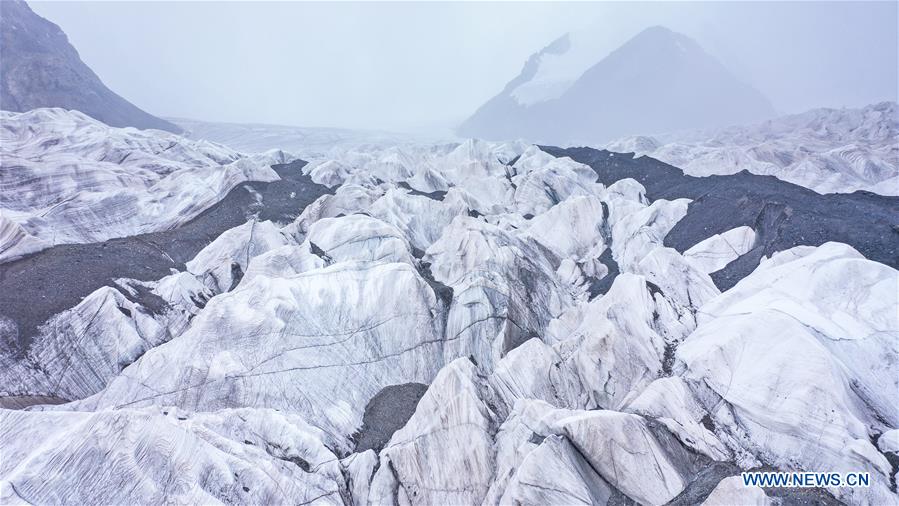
column 427, row 66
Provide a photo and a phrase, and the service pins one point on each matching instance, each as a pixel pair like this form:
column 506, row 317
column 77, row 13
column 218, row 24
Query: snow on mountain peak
column 548, row 73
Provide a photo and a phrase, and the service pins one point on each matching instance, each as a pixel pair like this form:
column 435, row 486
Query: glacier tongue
column 68, row 178
column 719, row 250
column 827, row 150
column 161, row 454
column 321, row 343
column 415, row 467
column 470, row 324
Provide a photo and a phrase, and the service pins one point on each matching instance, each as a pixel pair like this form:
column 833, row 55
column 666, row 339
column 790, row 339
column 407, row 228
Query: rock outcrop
column 40, row 68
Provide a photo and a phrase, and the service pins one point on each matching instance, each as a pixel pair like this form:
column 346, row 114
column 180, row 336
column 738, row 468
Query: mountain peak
column 658, row 31
column 659, row 80
column 660, row 39
column 558, row 46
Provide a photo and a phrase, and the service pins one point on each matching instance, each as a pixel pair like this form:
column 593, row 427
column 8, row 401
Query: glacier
column 69, row 178
column 452, row 323
column 827, row 150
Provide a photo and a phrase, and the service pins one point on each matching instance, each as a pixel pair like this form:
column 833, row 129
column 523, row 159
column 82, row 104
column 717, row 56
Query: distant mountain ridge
column 657, row 81
column 40, row 68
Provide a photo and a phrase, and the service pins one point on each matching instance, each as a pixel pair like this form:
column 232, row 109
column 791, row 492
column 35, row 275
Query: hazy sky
column 403, row 66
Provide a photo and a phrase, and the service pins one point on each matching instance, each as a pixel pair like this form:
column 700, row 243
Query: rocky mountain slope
column 476, row 323
column 656, row 82
column 40, row 68
column 827, row 150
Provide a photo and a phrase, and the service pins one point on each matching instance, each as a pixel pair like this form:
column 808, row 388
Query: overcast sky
column 405, row 66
